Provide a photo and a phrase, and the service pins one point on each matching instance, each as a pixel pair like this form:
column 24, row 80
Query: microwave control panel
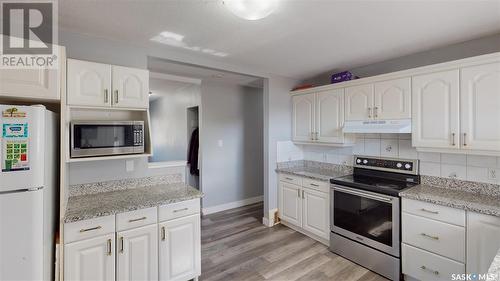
column 138, row 135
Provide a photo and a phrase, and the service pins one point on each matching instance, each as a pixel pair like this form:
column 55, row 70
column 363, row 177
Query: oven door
column 367, row 217
column 103, row 138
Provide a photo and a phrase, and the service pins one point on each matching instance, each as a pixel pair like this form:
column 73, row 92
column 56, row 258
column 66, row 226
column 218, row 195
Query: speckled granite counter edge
column 297, row 168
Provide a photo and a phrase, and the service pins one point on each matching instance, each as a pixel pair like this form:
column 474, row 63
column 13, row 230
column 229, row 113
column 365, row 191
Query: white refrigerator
column 28, row 181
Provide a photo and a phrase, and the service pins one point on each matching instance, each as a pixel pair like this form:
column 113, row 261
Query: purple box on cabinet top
column 342, row 76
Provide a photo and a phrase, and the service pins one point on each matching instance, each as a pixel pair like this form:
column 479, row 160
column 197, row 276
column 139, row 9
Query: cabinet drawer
column 88, row 228
column 423, row 265
column 441, row 238
column 433, row 211
column 136, row 218
column 322, row 186
column 291, row 179
column 179, row 209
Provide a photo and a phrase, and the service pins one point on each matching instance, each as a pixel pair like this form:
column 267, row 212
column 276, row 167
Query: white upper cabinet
column 359, row 102
column 330, row 116
column 303, row 117
column 137, row 255
column 102, row 85
column 483, row 241
column 435, row 110
column 91, row 259
column 89, row 83
column 392, row 99
column 130, row 87
column 480, row 107
column 39, row 84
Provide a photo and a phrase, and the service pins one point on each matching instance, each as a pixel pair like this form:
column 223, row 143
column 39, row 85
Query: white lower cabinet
column 180, row 248
column 305, row 206
column 90, row 259
column 437, row 243
column 137, row 254
column 149, row 244
column 483, row 241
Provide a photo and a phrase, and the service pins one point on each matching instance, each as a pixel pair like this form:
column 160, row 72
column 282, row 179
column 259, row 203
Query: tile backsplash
column 459, row 166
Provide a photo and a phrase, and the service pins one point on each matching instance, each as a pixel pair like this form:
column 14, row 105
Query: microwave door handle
column 362, row 194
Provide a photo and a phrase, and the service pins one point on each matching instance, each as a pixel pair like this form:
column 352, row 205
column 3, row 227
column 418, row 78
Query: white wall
column 231, row 143
column 168, row 113
column 278, row 127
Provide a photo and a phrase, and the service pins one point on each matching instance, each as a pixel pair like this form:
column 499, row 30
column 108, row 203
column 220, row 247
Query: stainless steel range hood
column 401, row 126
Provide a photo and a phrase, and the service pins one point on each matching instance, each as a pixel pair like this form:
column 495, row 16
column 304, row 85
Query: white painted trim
column 231, row 205
column 459, row 151
column 166, row 164
column 269, row 221
column 156, row 75
column 265, row 222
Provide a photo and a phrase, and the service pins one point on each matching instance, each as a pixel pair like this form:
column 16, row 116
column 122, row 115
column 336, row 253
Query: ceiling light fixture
column 251, row 9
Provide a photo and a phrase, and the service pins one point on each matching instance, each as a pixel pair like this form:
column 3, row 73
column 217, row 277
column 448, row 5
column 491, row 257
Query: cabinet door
column 330, row 116
column 483, row 241
column 480, row 103
column 392, row 99
column 91, row 259
column 89, row 83
column 137, row 254
column 359, row 102
column 180, row 248
column 303, row 117
column 316, row 212
column 435, row 110
column 40, row 84
column 290, row 204
column 130, row 87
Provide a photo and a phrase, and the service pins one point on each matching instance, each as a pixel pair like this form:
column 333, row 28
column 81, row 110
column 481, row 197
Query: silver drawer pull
column 163, row 233
column 290, row 179
column 435, row 272
column 180, row 210
column 90, row 229
column 109, row 247
column 429, row 211
column 139, row 219
column 313, row 184
column 430, row 236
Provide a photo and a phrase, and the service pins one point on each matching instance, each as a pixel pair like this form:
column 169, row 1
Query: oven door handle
column 363, row 194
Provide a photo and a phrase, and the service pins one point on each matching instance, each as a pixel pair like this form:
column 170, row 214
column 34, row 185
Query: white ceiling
column 301, row 39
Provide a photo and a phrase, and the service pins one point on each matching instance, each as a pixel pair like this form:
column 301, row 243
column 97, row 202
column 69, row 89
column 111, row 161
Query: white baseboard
column 269, row 221
column 231, row 205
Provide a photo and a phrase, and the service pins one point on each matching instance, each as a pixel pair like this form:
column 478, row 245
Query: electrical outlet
column 129, row 166
column 493, row 174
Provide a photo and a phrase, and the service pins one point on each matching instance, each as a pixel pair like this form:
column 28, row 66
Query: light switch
column 220, row 143
column 129, row 166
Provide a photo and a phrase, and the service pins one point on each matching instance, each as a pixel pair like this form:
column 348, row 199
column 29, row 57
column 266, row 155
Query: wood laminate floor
column 236, row 246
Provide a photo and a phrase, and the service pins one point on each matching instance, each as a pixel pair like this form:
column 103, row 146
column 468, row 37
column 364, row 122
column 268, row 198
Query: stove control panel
column 392, row 165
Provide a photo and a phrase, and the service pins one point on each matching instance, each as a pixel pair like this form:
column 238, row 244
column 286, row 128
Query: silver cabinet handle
column 316, row 134
column 163, row 233
column 298, row 193
column 453, row 139
column 465, row 139
column 312, row 135
column 180, row 210
column 429, row 211
column 313, row 184
column 303, row 196
column 106, row 96
column 116, row 96
column 121, row 244
column 90, row 229
column 429, row 236
column 369, row 112
column 139, row 219
column 435, row 272
column 109, row 247
column 376, row 112
column 289, row 179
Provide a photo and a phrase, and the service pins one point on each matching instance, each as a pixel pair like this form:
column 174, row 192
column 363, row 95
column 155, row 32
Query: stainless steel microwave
column 105, row 138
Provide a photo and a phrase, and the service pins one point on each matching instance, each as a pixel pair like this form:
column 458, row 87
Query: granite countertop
column 82, row 207
column 488, row 204
column 495, row 266
column 313, row 172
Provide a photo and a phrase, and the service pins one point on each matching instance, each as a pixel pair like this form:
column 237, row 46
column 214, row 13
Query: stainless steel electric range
column 365, row 212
